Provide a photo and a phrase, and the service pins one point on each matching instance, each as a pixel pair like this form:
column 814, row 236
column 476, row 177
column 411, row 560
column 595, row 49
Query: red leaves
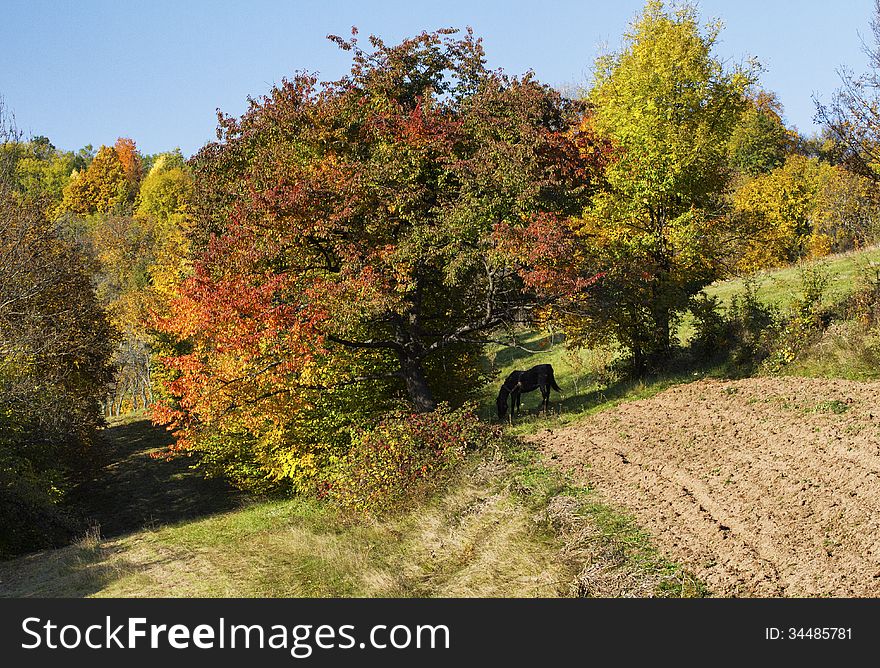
column 366, row 212
column 546, row 255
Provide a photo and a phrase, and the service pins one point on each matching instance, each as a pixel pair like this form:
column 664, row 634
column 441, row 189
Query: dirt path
column 133, row 490
column 763, row 487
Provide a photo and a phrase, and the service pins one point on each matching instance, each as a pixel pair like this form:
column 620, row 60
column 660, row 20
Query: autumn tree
column 805, row 208
column 852, row 118
column 55, row 344
column 760, row 141
column 668, row 107
column 41, row 171
column 164, row 202
column 138, row 258
column 349, row 245
column 109, row 183
column 773, row 215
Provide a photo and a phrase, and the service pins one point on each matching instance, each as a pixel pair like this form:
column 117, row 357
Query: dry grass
column 473, row 540
column 496, row 531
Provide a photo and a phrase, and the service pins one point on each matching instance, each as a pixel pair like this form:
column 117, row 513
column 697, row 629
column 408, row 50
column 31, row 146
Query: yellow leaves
column 100, row 187
column 805, row 207
column 668, row 107
column 310, row 373
column 819, row 245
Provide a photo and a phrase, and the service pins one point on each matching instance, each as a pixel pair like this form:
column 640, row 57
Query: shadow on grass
column 134, row 490
column 74, row 572
column 538, row 343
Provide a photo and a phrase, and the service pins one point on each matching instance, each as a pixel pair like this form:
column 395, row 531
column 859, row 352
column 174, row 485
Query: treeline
column 294, row 299
column 55, row 349
column 88, row 242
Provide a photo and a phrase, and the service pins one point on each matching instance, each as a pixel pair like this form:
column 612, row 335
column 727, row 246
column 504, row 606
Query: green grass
column 479, row 538
column 598, row 387
column 508, row 525
column 472, row 540
column 780, row 287
column 597, row 534
column 592, row 393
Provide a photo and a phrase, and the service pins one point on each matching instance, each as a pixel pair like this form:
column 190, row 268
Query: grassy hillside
column 588, row 380
column 781, row 286
column 505, row 526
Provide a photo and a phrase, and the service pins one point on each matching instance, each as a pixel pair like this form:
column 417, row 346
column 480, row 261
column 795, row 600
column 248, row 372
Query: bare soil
column 761, row 487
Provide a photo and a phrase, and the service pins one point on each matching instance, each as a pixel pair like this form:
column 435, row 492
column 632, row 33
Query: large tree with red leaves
column 350, row 235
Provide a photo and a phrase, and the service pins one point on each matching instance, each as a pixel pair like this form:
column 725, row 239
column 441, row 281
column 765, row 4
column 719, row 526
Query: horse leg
column 545, row 398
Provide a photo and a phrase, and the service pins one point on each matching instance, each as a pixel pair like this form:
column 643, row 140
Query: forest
column 312, row 305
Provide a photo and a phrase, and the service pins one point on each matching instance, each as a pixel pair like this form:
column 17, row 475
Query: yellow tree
column 109, row 183
column 163, row 205
column 668, row 107
column 805, row 208
column 99, row 188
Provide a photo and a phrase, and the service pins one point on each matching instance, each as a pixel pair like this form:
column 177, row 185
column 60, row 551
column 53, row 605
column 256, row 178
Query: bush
column 29, row 517
column 850, row 346
column 806, row 322
column 742, row 334
column 403, row 456
column 711, row 327
column 864, row 304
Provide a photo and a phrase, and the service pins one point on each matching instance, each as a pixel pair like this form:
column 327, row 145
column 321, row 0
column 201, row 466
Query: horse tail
column 553, row 382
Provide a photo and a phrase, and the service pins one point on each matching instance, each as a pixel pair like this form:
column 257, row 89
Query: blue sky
column 90, row 71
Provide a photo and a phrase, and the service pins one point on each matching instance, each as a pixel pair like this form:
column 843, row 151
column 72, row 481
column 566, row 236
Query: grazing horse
column 540, row 376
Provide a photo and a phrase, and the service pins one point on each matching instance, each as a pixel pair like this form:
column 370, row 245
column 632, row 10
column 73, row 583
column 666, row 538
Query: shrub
column 864, row 304
column 403, row 456
column 742, row 334
column 806, row 322
column 595, row 364
column 850, row 346
column 29, row 517
column 711, row 327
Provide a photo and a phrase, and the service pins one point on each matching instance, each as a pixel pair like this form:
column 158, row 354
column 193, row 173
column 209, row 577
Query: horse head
column 501, row 402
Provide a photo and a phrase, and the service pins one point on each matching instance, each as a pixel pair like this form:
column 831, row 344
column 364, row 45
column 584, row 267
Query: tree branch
column 376, row 345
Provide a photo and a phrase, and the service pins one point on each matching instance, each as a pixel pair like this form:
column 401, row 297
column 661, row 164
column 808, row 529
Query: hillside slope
column 504, row 526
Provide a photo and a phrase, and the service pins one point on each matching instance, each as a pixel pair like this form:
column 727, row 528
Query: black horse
column 540, row 376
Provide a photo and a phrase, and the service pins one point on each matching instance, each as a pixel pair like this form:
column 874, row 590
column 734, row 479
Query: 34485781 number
column 819, row 633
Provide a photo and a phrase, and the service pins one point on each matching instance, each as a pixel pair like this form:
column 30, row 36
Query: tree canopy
column 351, row 237
column 668, row 108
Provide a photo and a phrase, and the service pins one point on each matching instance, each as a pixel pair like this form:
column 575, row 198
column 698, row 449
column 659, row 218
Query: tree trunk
column 663, row 336
column 416, row 385
column 638, row 360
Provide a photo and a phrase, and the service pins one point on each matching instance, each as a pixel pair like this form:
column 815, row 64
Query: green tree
column 668, row 108
column 760, row 141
